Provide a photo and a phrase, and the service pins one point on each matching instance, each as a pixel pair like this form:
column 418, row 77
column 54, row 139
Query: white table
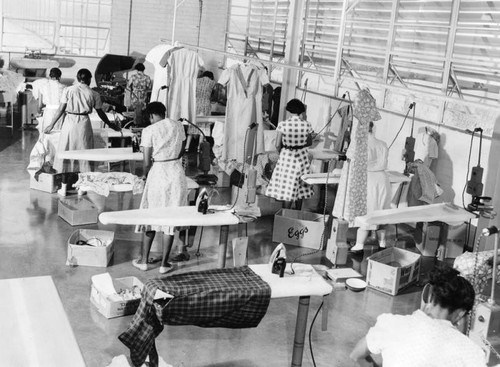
column 35, row 327
column 183, row 216
column 304, row 284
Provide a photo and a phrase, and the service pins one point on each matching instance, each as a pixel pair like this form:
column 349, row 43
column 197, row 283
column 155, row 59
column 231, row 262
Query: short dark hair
column 295, row 106
column 55, row 73
column 450, row 290
column 140, row 67
column 208, row 74
column 84, row 75
column 156, row 108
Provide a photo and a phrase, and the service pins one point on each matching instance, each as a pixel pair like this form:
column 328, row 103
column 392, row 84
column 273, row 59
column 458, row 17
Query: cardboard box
column 104, row 295
column 299, row 228
column 431, row 236
column 51, row 182
column 392, row 269
column 77, row 211
column 47, row 182
column 90, row 255
column 113, row 305
column 455, row 240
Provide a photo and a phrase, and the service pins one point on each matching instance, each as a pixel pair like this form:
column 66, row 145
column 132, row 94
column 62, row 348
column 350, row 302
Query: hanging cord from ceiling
column 199, row 23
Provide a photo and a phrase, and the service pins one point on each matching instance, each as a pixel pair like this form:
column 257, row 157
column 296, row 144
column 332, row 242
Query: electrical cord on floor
column 310, row 330
column 325, row 222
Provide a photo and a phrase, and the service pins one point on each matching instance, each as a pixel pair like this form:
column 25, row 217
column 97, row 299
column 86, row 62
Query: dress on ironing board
column 351, row 194
column 244, row 107
column 76, row 132
column 184, row 66
column 166, row 184
column 286, row 183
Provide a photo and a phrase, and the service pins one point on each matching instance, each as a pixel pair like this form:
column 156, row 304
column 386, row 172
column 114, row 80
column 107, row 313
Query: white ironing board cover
column 443, row 212
column 125, row 133
column 35, row 327
column 102, row 155
column 305, row 282
column 191, row 185
column 334, row 177
column 174, row 216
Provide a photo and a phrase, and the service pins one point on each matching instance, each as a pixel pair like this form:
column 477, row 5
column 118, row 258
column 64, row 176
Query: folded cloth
column 102, row 182
column 230, row 298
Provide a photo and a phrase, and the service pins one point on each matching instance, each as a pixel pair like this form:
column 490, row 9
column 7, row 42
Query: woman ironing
column 163, row 143
column 293, row 138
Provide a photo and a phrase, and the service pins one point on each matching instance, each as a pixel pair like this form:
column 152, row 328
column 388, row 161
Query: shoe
column 183, row 256
column 139, row 266
column 166, row 269
column 382, row 245
column 356, row 248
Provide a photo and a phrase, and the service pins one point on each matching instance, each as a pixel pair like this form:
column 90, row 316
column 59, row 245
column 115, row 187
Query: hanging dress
column 166, row 184
column 286, row 183
column 184, row 66
column 244, row 107
column 158, row 56
column 350, row 201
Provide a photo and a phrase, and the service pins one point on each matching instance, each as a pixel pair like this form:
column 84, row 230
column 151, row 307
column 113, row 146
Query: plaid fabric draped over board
column 230, row 298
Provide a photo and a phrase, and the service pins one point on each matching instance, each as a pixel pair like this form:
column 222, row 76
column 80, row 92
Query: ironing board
column 334, row 177
column 36, row 329
column 443, row 212
column 102, row 155
column 182, row 216
column 304, row 284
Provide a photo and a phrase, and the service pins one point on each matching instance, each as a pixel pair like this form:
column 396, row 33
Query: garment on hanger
column 351, row 194
column 426, row 146
column 184, row 65
column 344, row 135
column 156, row 56
column 244, row 107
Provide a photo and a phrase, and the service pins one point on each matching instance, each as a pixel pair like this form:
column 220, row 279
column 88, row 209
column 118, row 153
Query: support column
column 292, row 54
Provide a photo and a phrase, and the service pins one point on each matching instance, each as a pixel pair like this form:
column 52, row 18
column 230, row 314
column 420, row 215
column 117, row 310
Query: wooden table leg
column 224, row 232
column 300, row 331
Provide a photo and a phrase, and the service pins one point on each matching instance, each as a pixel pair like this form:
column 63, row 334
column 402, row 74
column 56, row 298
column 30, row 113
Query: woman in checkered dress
column 294, row 136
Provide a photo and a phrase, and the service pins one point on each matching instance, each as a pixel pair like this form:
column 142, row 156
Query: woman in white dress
column 163, row 143
column 77, row 102
column 378, row 188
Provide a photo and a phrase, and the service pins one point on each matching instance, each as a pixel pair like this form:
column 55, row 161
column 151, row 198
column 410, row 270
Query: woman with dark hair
column 428, row 337
column 204, row 86
column 166, row 186
column 140, row 87
column 77, row 102
column 293, row 137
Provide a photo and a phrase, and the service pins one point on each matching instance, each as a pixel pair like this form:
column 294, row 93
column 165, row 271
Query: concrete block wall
column 152, row 20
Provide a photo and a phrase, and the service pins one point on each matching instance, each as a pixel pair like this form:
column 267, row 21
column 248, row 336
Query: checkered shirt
column 230, row 298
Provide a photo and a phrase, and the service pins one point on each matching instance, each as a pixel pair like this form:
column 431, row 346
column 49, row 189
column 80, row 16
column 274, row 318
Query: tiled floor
column 33, row 242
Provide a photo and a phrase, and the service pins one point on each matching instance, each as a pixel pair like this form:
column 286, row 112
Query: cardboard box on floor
column 392, row 269
column 77, row 211
column 299, row 228
column 51, row 182
column 85, row 255
column 105, row 295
